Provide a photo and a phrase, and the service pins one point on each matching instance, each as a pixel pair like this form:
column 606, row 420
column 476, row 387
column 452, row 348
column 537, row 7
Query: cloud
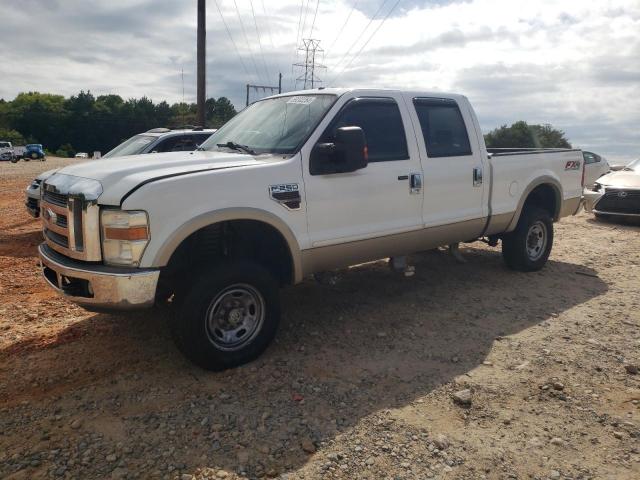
column 573, row 65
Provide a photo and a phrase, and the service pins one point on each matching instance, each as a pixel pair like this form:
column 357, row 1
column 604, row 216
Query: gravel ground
column 463, row 371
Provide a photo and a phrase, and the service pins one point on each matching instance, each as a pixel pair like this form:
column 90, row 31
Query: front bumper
column 596, row 202
column 32, row 201
column 97, row 286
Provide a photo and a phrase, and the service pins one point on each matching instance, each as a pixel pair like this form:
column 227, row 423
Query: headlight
column 125, row 235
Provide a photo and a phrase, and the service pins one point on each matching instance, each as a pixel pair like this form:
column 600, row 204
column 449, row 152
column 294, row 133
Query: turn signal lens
column 132, row 233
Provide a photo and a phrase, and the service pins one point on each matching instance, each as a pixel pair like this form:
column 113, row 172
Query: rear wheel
column 527, row 248
column 228, row 317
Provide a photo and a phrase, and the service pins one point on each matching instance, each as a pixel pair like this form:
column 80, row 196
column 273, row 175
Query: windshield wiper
column 237, row 146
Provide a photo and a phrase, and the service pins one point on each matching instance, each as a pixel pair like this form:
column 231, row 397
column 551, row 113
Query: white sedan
column 616, row 194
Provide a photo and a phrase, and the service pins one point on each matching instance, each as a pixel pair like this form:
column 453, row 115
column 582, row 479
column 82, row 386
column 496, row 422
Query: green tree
column 522, row 135
column 548, row 137
column 39, row 116
column 12, row 136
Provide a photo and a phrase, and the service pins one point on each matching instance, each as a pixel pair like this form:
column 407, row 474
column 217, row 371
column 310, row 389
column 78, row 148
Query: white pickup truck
column 295, row 184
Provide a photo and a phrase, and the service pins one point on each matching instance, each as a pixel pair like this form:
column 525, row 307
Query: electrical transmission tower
column 310, row 65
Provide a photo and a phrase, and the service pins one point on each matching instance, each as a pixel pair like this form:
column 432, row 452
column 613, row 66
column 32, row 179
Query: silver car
column 616, row 194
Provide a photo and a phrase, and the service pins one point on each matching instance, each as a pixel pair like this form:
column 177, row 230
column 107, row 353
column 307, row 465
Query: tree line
column 86, row 123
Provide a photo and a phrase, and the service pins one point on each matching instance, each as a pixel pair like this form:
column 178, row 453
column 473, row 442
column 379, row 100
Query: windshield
column 34, row 146
column 275, row 125
column 5, row 144
column 132, row 146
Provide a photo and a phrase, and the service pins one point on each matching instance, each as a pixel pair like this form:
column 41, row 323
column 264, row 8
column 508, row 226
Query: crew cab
column 295, row 184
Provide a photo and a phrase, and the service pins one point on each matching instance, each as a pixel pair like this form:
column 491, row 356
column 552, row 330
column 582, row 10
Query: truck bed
column 516, row 170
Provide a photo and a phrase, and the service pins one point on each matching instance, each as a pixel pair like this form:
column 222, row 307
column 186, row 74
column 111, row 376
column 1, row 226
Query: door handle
column 415, row 183
column 477, row 176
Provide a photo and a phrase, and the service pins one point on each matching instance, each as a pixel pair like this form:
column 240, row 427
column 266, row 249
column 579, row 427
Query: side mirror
column 347, row 154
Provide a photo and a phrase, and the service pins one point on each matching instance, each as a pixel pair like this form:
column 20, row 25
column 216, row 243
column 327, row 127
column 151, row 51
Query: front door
column 377, row 200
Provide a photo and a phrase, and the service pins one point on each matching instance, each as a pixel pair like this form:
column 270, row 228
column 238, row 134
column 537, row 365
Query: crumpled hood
column 119, row 175
column 620, row 179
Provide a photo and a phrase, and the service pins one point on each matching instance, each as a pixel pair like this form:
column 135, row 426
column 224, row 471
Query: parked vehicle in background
column 153, row 141
column 616, row 194
column 594, row 167
column 32, row 193
column 294, row 185
column 615, row 167
column 159, row 140
column 81, row 155
column 6, row 151
column 32, row 151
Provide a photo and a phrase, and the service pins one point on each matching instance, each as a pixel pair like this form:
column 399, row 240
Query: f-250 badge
column 286, row 194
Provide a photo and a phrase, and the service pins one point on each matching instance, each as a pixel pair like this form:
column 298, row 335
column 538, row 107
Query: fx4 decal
column 572, row 165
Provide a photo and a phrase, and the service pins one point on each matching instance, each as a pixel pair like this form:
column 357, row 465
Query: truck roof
column 369, row 91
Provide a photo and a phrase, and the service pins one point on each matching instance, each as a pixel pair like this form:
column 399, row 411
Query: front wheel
column 228, row 317
column 528, row 247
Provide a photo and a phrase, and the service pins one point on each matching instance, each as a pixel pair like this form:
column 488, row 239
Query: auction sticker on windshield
column 305, row 100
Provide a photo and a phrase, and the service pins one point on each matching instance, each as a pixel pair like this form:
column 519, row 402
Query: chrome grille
column 55, row 198
column 57, row 238
column 70, row 224
column 619, row 201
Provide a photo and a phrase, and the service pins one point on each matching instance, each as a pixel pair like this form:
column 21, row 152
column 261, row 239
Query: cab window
column 381, row 122
column 443, row 128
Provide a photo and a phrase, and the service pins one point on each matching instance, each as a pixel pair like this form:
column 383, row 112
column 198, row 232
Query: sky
column 573, row 64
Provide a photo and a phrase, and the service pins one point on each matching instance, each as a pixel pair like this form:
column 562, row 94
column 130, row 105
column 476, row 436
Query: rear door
column 452, row 163
column 377, row 200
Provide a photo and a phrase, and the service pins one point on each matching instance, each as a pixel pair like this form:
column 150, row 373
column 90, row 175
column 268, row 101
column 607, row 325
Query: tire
column 14, row 160
column 228, row 317
column 527, row 248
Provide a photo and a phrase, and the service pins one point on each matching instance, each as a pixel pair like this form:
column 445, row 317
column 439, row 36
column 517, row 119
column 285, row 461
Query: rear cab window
column 443, row 128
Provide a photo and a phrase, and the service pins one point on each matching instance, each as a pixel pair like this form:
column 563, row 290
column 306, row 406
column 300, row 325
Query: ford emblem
column 51, row 215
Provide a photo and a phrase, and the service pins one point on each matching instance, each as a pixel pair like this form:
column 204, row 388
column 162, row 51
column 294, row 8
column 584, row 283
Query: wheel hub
column 235, row 316
column 536, row 240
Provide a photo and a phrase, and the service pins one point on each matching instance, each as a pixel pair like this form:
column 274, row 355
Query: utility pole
column 265, row 88
column 202, row 55
column 311, row 51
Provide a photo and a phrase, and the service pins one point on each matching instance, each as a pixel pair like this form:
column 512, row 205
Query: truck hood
column 119, row 175
column 620, row 179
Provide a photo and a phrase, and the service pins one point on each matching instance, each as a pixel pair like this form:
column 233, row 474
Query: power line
column 255, row 22
column 295, row 46
column 361, row 33
column 367, row 42
column 246, row 39
column 268, row 22
column 235, row 47
column 304, row 22
column 314, row 19
column 355, row 5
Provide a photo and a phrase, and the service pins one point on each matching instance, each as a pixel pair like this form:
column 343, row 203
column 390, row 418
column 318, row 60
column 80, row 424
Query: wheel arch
column 269, row 220
column 546, row 192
